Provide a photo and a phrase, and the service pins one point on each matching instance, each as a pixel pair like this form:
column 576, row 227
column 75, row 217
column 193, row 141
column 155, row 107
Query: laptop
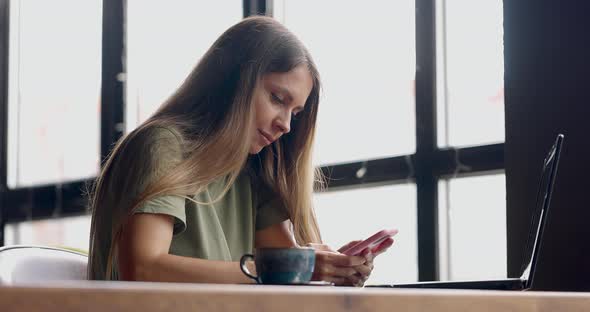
column 534, row 241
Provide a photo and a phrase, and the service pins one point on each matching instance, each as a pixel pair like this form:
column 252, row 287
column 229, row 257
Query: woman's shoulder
column 155, row 144
column 156, row 136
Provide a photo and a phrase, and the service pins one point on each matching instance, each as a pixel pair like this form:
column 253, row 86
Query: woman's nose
column 284, row 123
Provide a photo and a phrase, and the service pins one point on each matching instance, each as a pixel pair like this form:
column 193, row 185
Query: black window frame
column 425, row 167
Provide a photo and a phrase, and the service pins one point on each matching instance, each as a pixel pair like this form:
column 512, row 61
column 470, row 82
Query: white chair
column 21, row 264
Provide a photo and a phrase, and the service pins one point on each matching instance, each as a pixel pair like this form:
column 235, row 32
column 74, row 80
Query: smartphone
column 370, row 242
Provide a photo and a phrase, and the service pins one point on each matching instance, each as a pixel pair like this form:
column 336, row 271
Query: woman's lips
column 268, row 140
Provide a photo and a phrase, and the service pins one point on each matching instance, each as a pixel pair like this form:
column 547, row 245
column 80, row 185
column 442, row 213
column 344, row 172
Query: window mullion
column 426, row 140
column 113, row 75
column 4, row 38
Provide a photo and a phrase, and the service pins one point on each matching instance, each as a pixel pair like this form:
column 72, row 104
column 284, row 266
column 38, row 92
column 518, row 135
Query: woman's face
column 278, row 98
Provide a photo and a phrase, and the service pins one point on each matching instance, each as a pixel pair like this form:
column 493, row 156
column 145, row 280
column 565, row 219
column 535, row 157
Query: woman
column 224, row 166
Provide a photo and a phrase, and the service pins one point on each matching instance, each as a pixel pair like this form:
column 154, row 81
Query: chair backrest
column 30, row 264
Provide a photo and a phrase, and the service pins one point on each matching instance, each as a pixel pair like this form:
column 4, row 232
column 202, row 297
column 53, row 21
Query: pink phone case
column 370, row 242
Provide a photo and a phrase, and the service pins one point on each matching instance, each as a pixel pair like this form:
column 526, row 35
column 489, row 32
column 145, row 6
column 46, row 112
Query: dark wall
column 547, row 77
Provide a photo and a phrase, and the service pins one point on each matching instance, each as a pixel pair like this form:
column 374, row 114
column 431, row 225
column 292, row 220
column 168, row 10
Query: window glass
column 54, row 91
column 70, row 232
column 365, row 53
column 472, row 227
column 165, row 40
column 470, row 67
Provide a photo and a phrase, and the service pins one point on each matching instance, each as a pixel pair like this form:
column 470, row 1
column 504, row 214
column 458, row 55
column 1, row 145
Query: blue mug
column 281, row 266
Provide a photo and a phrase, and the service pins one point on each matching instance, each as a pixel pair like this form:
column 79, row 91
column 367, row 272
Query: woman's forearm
column 173, row 268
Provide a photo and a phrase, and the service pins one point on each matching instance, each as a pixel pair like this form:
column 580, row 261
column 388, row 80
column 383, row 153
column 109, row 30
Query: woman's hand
column 332, row 266
column 364, row 270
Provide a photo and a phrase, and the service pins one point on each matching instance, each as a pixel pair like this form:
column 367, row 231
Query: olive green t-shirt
column 223, row 230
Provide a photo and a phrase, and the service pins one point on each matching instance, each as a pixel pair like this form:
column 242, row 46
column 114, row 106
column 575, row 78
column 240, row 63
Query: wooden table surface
column 144, row 297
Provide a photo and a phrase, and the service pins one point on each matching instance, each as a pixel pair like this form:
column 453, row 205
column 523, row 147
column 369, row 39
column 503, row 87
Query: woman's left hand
column 364, row 270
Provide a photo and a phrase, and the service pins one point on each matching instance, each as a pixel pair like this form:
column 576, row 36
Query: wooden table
column 144, row 297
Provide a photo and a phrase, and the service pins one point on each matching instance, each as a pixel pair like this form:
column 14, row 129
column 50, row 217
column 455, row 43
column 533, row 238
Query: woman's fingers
column 330, row 273
column 334, row 264
column 342, row 260
column 343, row 270
column 368, row 254
column 365, row 269
column 383, row 246
column 334, row 274
column 348, row 245
column 337, row 268
column 338, row 281
column 359, row 281
column 322, row 247
column 332, row 270
column 354, row 280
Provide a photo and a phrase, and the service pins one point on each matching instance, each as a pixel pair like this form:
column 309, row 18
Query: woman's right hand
column 334, row 267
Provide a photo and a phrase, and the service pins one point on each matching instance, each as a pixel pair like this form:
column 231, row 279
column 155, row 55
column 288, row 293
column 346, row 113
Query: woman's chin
column 255, row 149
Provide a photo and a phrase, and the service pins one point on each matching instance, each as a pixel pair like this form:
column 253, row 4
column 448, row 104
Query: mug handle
column 244, row 269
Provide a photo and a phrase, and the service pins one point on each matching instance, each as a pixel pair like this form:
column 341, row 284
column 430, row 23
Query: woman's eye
column 275, row 98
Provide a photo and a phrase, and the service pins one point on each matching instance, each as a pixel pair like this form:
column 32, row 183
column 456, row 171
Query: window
column 366, row 58
column 402, row 172
column 470, row 72
column 69, row 232
column 470, row 111
column 367, row 120
column 53, row 91
column 160, row 55
column 472, row 235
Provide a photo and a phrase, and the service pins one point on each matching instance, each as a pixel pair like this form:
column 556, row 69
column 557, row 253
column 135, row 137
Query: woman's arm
column 143, row 256
column 277, row 235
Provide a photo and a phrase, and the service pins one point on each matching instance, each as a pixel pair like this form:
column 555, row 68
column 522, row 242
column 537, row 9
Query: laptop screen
column 540, row 213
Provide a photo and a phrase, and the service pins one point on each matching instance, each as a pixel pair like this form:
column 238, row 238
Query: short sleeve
column 150, row 155
column 270, row 209
column 169, row 205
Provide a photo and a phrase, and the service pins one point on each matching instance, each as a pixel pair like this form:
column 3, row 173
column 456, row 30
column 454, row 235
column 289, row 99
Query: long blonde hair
column 212, row 112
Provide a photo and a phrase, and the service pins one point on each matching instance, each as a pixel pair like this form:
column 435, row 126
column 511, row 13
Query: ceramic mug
column 281, row 266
